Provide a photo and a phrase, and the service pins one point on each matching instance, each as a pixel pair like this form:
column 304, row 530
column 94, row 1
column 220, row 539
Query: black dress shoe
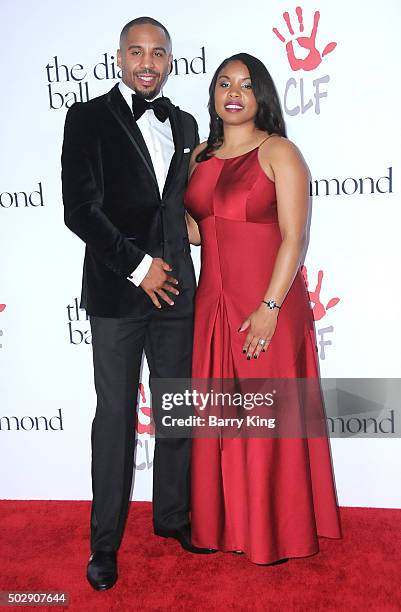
column 184, row 538
column 102, row 570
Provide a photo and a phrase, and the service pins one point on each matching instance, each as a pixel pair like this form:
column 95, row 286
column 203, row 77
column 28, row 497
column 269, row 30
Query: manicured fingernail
column 244, row 351
column 248, row 357
column 171, row 303
column 239, row 329
column 255, row 356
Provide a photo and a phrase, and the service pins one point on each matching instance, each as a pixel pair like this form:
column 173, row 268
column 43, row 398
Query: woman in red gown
column 247, row 200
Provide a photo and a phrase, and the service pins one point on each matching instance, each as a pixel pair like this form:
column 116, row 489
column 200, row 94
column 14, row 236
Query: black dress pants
column 117, row 345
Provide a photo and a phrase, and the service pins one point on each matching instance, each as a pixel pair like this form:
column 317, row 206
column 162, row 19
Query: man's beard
column 149, row 94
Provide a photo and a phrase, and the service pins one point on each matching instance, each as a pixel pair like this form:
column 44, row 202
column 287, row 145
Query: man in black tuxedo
column 124, row 170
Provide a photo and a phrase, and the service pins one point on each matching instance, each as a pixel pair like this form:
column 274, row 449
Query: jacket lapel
column 178, row 137
column 121, row 112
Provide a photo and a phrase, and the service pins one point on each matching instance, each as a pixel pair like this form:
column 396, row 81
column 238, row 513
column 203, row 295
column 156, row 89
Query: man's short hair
column 143, row 21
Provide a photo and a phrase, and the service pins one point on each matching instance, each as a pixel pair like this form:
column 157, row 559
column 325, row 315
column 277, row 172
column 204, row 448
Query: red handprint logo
column 314, row 57
column 142, row 428
column 318, row 309
column 2, row 307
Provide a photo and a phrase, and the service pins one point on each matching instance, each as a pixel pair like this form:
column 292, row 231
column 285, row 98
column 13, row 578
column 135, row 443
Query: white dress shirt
column 158, row 138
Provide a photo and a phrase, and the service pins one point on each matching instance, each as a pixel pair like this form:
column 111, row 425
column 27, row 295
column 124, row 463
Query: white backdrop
column 341, row 108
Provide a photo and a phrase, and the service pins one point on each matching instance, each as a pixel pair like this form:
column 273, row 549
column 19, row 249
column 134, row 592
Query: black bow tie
column 160, row 107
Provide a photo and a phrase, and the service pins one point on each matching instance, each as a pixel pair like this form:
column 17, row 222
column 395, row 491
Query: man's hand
column 157, row 281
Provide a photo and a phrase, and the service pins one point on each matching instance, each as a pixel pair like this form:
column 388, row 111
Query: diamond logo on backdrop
column 23, row 199
column 303, row 54
column 68, row 83
column 78, row 324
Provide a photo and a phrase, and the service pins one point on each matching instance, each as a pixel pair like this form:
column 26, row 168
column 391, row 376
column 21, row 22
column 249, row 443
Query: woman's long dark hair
column 269, row 117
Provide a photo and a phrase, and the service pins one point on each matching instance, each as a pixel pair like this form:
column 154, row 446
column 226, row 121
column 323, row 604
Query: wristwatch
column 271, row 304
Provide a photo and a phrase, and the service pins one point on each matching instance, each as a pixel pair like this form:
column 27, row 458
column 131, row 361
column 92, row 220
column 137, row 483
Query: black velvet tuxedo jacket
column 112, row 202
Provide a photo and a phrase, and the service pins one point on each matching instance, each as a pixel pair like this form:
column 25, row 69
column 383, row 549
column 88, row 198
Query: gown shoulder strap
column 270, row 136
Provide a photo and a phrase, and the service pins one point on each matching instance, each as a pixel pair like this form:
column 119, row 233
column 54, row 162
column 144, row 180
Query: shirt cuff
column 141, row 271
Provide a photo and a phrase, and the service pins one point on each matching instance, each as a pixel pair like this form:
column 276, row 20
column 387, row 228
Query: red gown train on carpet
column 270, row 498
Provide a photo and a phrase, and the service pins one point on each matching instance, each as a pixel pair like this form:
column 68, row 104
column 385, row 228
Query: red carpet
column 44, row 546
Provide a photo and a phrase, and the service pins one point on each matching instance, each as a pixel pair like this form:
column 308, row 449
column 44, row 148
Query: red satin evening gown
column 268, row 497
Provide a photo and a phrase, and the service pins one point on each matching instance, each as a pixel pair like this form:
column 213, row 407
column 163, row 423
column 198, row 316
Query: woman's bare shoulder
column 279, row 147
column 279, row 150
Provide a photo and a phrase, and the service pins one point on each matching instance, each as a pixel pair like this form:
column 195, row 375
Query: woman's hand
column 261, row 325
